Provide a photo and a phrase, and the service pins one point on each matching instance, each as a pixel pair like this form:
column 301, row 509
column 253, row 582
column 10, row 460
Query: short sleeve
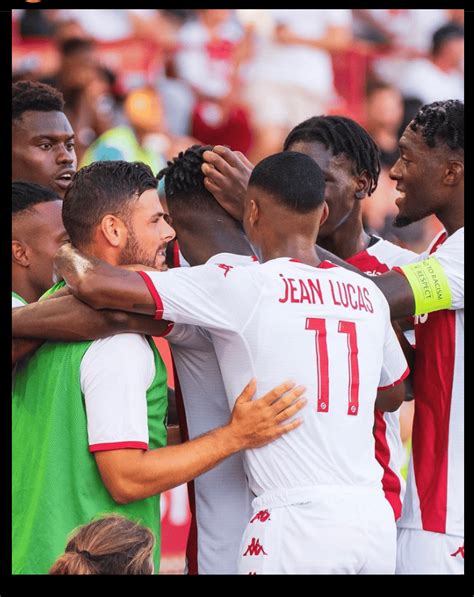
column 116, row 373
column 215, row 295
column 16, row 302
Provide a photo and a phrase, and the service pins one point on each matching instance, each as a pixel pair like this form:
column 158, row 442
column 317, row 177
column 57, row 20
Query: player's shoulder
column 232, row 259
column 391, row 254
column 127, row 345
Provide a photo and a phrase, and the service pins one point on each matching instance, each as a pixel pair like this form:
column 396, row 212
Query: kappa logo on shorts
column 460, row 551
column 255, row 549
column 225, row 267
column 262, row 516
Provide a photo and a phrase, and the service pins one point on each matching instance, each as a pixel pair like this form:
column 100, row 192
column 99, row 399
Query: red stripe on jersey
column 118, row 446
column 433, row 387
column 441, row 238
column 168, row 329
column 154, row 293
column 395, row 383
column 367, row 263
column 192, row 545
column 176, row 262
column 322, row 265
column 390, row 481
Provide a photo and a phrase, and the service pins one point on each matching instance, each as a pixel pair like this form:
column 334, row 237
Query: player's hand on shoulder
column 257, row 422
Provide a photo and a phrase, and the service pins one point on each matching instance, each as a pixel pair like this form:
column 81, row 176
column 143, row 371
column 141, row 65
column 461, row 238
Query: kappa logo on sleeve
column 225, row 267
column 459, row 551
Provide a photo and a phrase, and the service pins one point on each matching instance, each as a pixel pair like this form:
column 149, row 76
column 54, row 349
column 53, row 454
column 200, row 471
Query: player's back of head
column 341, row 135
column 442, row 123
column 36, row 97
column 184, row 180
column 292, row 179
column 25, row 195
column 104, row 187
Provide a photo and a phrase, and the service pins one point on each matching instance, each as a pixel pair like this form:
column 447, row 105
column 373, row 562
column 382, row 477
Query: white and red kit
column 377, row 259
column 328, row 329
column 220, row 500
column 434, row 500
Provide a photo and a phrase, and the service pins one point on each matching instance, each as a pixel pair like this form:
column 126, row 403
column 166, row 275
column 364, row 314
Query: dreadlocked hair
column 183, row 174
column 441, row 121
column 341, row 135
column 35, row 96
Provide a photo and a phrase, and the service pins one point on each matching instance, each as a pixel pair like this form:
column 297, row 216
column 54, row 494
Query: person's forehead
column 412, row 140
column 149, row 202
column 44, row 218
column 44, row 124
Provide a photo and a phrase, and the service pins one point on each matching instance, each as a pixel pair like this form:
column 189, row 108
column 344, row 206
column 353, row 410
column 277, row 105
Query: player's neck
column 301, row 248
column 24, row 288
column 208, row 237
column 345, row 242
column 452, row 216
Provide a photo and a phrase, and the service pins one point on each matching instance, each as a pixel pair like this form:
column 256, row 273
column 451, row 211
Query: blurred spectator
column 440, row 76
column 37, row 23
column 401, row 34
column 208, row 59
column 141, row 136
column 109, row 545
column 291, row 78
column 383, row 118
column 87, row 89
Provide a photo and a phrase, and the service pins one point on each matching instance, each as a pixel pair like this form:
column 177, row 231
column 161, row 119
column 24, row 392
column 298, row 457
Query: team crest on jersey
column 225, row 267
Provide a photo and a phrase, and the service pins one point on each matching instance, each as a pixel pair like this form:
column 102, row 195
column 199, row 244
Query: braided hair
column 35, row 96
column 184, row 178
column 341, row 135
column 441, row 121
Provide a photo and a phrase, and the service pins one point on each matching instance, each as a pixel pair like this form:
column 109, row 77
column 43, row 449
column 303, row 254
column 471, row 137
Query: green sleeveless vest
column 56, row 485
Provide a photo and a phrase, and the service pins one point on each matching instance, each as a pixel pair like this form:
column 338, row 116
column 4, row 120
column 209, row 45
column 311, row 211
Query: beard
column 402, row 221
column 133, row 252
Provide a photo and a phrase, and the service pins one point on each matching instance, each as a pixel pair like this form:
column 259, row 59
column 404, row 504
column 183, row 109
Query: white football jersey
column 323, row 327
column 434, row 499
column 377, row 259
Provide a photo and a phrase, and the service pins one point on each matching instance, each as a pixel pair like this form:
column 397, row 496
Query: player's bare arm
column 227, row 175
column 131, row 475
column 67, row 319
column 390, row 399
column 103, row 286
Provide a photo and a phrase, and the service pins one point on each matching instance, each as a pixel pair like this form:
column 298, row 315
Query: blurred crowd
column 145, row 84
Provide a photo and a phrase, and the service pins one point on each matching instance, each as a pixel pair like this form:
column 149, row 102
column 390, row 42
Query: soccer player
column 37, row 233
column 42, row 137
column 320, row 506
column 89, row 417
column 430, row 178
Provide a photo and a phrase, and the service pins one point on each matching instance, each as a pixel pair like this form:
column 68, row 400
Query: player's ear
column 324, row 213
column 454, row 173
column 114, row 230
column 362, row 185
column 20, row 253
column 254, row 213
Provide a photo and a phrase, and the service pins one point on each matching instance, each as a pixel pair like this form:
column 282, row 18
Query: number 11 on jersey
column 322, row 366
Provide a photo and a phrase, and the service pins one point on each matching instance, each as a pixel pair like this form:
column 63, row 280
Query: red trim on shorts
column 395, row 383
column 118, row 446
column 154, row 293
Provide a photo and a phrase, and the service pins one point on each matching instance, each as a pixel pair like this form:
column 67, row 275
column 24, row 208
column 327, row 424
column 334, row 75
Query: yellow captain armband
column 429, row 284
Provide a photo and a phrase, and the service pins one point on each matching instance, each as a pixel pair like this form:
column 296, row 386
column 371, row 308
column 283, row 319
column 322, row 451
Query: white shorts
column 320, row 530
column 424, row 552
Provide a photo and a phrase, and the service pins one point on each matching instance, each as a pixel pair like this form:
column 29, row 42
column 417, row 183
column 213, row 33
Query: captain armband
column 429, row 284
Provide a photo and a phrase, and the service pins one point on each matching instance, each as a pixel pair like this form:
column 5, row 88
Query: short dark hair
column 341, row 135
column 442, row 122
column 444, row 34
column 104, row 187
column 294, row 179
column 184, row 179
column 35, row 96
column 25, row 195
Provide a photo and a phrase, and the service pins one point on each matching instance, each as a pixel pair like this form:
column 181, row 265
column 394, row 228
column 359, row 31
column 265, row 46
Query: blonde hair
column 111, row 544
